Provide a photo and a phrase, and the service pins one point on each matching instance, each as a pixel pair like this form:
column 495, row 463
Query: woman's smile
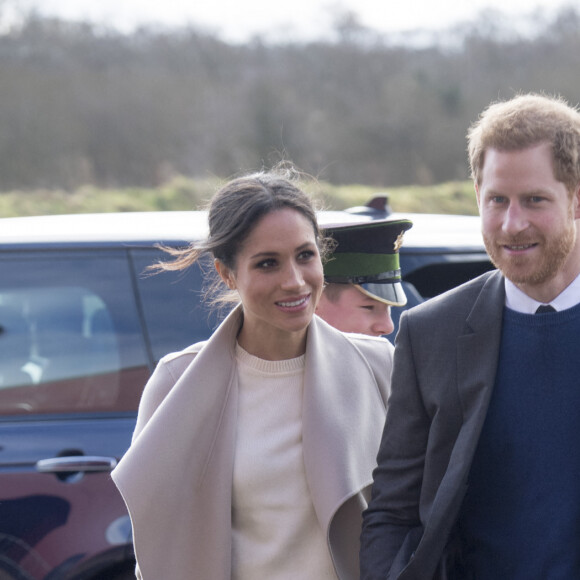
column 279, row 278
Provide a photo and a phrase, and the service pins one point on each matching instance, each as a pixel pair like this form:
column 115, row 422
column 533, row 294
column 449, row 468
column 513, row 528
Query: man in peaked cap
column 363, row 277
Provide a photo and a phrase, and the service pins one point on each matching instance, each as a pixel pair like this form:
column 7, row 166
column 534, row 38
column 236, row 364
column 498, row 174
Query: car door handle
column 76, row 463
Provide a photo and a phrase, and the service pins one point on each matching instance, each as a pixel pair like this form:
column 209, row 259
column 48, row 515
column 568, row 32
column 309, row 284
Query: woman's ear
column 576, row 201
column 225, row 274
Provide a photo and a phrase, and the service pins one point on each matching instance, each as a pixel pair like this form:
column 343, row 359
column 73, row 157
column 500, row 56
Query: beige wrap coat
column 176, row 478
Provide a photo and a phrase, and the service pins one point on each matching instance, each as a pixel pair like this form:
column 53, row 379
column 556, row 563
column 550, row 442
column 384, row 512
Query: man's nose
column 515, row 219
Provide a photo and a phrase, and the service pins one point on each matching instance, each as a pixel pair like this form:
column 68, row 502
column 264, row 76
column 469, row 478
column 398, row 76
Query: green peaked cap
column 367, row 255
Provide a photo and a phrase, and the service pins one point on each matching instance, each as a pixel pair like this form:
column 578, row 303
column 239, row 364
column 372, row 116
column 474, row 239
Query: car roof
column 122, row 227
column 442, row 231
column 129, row 227
column 174, row 227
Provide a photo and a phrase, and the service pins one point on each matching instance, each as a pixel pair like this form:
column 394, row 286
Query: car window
column 70, row 337
column 174, row 311
column 431, row 275
column 426, row 275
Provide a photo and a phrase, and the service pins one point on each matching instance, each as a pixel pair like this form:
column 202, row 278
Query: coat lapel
column 178, row 471
column 342, row 421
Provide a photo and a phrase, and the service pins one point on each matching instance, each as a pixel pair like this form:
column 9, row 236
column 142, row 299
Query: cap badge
column 399, row 241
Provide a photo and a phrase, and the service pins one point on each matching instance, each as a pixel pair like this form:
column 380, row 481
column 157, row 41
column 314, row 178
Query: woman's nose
column 292, row 277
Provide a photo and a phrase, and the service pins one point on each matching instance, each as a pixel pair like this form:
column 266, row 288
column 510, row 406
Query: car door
column 73, row 362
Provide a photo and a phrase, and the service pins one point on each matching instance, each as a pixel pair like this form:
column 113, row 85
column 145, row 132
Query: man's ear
column 477, row 197
column 225, row 274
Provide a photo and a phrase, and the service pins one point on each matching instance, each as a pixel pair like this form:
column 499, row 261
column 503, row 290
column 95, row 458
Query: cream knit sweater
column 276, row 535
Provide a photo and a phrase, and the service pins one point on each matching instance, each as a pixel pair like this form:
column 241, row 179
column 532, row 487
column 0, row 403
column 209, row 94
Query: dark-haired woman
column 253, row 452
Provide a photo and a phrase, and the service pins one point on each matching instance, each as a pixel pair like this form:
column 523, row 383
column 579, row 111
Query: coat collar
column 339, row 424
column 190, row 437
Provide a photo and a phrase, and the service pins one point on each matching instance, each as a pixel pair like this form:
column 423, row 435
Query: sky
column 240, row 20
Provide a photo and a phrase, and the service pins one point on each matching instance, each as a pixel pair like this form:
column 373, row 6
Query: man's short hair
column 525, row 121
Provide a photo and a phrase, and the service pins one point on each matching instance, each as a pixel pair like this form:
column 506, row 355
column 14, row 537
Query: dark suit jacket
column 444, row 370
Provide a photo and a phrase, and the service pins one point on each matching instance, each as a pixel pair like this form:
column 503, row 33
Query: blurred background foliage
column 96, row 120
column 186, row 194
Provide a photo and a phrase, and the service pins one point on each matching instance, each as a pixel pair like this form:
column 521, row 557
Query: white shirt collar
column 519, row 301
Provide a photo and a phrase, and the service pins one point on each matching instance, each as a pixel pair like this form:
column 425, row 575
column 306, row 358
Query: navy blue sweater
column 521, row 516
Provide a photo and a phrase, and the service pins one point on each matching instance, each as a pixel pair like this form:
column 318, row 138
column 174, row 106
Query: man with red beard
column 478, row 470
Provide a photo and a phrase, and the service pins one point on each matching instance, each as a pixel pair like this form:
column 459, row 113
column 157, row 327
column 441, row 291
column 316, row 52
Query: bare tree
column 83, row 104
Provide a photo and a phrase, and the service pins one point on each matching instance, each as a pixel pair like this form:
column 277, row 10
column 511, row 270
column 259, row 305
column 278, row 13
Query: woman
column 253, row 451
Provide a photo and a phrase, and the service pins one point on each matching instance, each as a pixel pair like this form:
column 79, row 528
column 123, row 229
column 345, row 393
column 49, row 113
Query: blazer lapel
column 477, row 354
column 478, row 350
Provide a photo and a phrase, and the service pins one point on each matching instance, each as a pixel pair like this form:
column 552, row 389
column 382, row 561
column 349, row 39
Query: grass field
column 187, row 194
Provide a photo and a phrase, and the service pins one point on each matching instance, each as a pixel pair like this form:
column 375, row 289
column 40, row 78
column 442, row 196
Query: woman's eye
column 306, row 255
column 266, row 264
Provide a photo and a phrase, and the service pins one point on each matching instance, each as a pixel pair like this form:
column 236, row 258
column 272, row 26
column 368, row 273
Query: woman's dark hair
column 233, row 213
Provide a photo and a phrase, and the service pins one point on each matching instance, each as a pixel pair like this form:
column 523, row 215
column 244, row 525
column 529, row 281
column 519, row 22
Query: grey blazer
column 177, row 476
column 446, row 354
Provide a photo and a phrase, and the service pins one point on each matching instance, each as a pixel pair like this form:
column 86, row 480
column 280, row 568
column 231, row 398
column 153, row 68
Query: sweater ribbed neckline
column 269, row 366
column 551, row 319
